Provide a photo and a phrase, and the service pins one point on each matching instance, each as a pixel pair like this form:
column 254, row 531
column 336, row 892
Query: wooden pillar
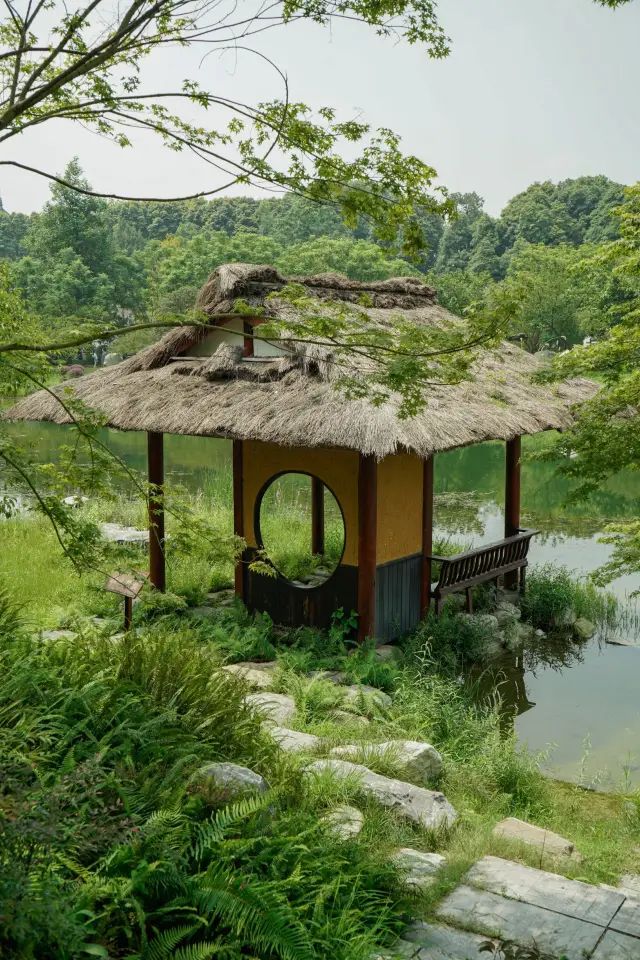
column 317, row 516
column 155, row 463
column 247, row 348
column 512, row 499
column 367, row 535
column 427, row 536
column 238, row 510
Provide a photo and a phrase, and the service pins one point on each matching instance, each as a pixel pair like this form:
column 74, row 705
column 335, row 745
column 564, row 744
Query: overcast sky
column 533, row 90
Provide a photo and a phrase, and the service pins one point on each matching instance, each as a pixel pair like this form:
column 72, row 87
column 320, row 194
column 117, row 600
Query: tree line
column 83, row 258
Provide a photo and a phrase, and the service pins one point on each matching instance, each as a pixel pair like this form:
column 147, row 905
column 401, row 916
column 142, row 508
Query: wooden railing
column 466, row 570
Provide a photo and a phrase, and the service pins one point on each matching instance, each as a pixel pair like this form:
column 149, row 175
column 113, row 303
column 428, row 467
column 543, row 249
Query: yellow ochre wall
column 399, row 507
column 337, row 468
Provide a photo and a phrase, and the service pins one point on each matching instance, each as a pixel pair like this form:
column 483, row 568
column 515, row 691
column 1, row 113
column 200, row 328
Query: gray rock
column 420, row 761
column 115, row 533
column 420, row 868
column 275, row 707
column 58, row 634
column 345, row 717
column 617, row 946
column 582, row 901
column 620, row 642
column 353, row 693
column 583, row 628
column 510, row 596
column 485, row 620
column 345, row 822
column 540, row 634
column 388, row 651
column 258, row 679
column 75, row 501
column 218, row 596
column 331, row 676
column 440, row 943
column 429, row 808
column 528, row 925
column 507, row 613
column 233, row 779
column 551, row 843
column 525, row 631
column 292, row 741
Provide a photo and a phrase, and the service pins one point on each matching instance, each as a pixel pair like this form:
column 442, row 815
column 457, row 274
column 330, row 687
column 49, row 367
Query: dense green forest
column 88, row 259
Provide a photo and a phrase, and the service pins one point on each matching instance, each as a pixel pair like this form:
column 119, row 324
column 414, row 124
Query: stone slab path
column 505, row 900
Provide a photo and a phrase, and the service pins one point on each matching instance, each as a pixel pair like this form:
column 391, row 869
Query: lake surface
column 569, row 698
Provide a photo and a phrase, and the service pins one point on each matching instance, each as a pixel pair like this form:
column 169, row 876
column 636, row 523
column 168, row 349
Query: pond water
column 566, row 698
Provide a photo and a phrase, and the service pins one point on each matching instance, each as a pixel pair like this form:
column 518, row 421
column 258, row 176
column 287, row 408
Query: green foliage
column 553, row 593
column 448, row 641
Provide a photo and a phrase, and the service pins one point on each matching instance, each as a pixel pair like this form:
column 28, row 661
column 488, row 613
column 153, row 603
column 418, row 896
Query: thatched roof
column 290, row 400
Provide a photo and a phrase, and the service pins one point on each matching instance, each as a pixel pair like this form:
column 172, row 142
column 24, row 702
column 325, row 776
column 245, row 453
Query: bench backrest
column 482, row 561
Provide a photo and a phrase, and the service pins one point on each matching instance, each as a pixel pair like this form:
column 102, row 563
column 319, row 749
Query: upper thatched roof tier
column 290, row 399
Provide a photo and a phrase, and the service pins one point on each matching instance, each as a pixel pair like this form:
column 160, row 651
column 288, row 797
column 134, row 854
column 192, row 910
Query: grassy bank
column 113, row 845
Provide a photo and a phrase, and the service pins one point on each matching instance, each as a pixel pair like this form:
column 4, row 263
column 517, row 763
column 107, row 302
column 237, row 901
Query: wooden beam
column 155, row 463
column 367, row 536
column 427, row 536
column 317, row 516
column 512, row 498
column 238, row 510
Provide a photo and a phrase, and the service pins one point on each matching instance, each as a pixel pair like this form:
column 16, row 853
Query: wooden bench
column 466, row 570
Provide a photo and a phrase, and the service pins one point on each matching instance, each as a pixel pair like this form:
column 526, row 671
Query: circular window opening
column 301, row 528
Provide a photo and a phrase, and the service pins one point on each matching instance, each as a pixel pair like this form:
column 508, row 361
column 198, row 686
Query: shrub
column 448, row 641
column 553, row 593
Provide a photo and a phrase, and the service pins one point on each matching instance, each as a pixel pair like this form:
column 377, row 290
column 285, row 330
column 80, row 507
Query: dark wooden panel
column 398, row 596
column 155, row 464
column 238, row 506
column 300, row 606
column 367, row 537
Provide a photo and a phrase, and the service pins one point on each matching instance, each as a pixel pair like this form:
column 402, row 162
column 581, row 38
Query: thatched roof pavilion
column 280, row 406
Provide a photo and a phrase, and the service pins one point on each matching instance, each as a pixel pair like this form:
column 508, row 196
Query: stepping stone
column 219, row 595
column 619, row 642
column 528, row 925
column 258, row 679
column 353, row 694
column 630, row 884
column 344, row 821
column 627, row 919
column 584, row 629
column 387, row 651
column 343, row 716
column 420, row 761
column 116, row 533
column 617, row 946
column 569, row 897
column 276, row 707
column 58, row 634
column 551, row 843
column 231, row 778
column 201, row 613
column 429, row 808
column 428, row 942
column 292, row 741
column 420, row 868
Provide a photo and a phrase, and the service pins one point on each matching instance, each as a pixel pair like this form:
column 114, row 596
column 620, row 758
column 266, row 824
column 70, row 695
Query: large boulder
column 419, row 868
column 583, row 629
column 251, row 674
column 357, row 691
column 420, row 761
column 507, row 613
column 428, row 808
column 545, row 840
column 345, row 822
column 276, row 707
column 231, row 780
column 292, row 741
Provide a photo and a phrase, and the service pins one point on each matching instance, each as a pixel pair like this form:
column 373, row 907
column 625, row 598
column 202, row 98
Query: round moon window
column 301, row 528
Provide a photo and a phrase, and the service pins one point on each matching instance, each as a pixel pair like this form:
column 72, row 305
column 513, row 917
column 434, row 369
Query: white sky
column 533, row 90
